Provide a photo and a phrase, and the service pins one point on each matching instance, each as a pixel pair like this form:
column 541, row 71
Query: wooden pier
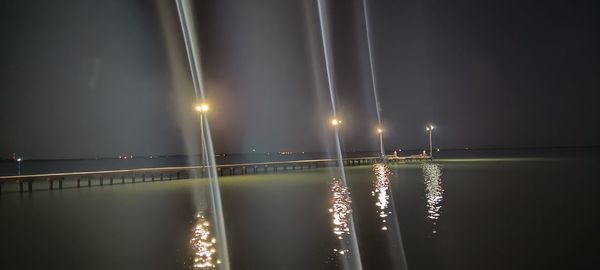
column 99, row 178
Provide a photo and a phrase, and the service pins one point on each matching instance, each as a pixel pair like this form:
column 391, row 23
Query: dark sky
column 102, row 78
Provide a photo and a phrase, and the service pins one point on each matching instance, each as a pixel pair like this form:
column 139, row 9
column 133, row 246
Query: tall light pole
column 19, row 166
column 430, row 130
column 202, row 109
column 382, row 151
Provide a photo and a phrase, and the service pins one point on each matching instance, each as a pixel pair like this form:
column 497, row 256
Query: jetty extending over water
column 29, row 183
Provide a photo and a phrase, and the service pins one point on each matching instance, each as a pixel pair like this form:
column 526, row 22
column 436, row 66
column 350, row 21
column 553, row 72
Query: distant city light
column 379, row 130
column 19, row 159
column 336, row 122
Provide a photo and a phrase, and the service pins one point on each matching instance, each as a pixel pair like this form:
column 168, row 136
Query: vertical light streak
column 324, row 25
column 434, row 192
column 188, row 29
column 372, row 67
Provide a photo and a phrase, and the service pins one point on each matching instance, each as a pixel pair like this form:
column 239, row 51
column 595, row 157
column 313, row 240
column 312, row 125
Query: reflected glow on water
column 381, row 190
column 432, row 174
column 203, row 244
column 340, row 211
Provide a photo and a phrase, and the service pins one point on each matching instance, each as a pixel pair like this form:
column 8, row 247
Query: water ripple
column 381, row 190
column 340, row 211
column 432, row 174
column 203, row 244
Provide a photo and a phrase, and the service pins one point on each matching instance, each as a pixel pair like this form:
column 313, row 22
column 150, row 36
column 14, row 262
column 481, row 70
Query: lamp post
column 19, row 166
column 202, row 109
column 430, row 130
column 382, row 151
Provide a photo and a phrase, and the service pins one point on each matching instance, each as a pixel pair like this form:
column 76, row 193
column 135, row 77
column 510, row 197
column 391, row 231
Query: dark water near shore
column 452, row 214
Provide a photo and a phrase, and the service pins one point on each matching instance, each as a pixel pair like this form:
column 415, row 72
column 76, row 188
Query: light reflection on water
column 203, row 244
column 381, row 190
column 340, row 211
column 432, row 174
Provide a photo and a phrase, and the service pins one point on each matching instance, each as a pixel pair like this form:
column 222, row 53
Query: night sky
column 97, row 78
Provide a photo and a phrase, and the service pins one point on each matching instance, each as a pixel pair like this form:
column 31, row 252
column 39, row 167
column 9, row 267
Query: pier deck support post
column 50, row 184
column 30, row 186
column 102, row 180
column 78, row 182
column 20, row 186
column 90, row 181
column 60, row 183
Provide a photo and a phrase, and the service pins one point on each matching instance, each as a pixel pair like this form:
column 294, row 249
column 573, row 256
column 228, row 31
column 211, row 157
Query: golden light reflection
column 203, row 244
column 340, row 211
column 434, row 192
column 381, row 190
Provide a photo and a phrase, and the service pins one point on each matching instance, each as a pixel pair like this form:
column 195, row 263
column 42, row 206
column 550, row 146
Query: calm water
column 452, row 214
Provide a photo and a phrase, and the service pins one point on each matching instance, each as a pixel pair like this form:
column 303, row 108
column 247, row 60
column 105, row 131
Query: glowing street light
column 382, row 151
column 335, row 122
column 19, row 165
column 202, row 107
column 429, row 129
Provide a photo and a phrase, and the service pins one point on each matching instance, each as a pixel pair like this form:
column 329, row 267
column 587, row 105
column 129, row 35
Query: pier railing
column 51, row 181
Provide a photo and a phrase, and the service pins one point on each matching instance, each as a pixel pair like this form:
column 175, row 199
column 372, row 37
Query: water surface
column 450, row 214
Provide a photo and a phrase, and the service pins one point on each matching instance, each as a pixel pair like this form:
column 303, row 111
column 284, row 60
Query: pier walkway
column 29, row 183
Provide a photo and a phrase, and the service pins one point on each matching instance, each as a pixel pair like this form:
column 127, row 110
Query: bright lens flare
column 203, row 244
column 202, row 107
column 336, row 122
column 379, row 130
column 381, row 190
column 434, row 192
